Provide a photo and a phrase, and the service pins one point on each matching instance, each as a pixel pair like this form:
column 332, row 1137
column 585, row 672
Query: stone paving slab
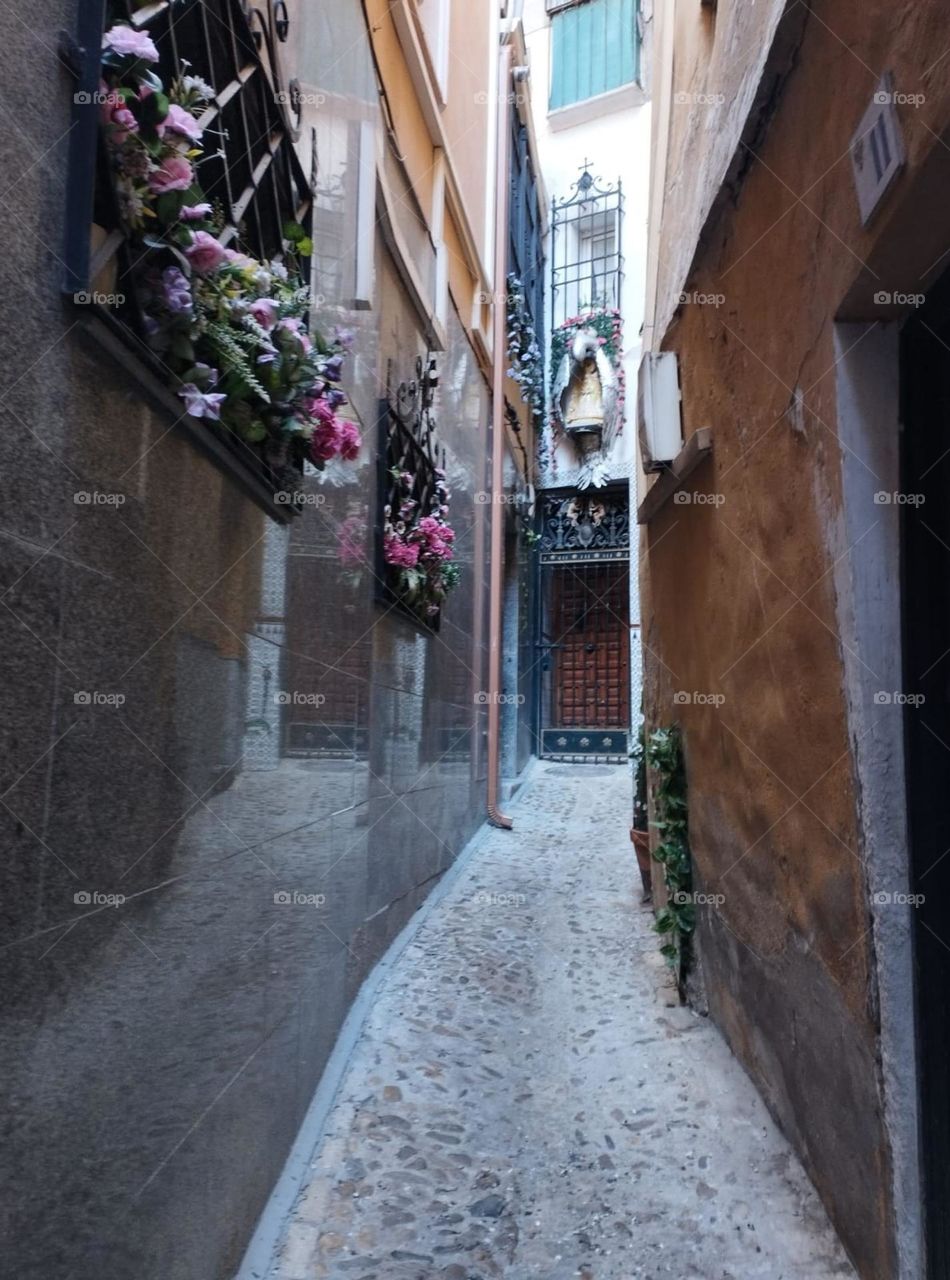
column 523, row 1102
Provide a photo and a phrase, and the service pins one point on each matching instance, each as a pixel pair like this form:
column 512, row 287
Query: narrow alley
column 527, row 1099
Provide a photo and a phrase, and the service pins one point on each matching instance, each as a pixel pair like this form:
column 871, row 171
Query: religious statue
column 585, row 402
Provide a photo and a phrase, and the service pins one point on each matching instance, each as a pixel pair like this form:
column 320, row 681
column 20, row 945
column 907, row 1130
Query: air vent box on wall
column 877, row 149
column 659, row 416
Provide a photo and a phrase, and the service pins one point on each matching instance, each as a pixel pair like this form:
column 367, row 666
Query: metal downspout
column 499, row 365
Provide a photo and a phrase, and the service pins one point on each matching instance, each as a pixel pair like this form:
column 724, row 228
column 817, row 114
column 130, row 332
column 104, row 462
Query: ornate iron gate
column 584, row 641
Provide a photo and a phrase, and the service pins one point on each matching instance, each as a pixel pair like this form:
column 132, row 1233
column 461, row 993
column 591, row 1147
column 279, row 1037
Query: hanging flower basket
column 231, row 332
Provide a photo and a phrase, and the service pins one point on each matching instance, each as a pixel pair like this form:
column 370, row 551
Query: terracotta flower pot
column 641, row 843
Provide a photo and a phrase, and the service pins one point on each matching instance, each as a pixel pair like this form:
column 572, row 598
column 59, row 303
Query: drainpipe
column 499, row 366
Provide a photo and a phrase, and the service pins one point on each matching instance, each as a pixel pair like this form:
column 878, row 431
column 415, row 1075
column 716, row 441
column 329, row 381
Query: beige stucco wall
column 744, row 598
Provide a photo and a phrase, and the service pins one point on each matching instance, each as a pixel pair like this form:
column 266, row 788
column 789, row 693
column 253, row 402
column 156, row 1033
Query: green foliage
column 234, row 349
column 675, row 921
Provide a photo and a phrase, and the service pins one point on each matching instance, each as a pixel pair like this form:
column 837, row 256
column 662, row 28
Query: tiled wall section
column 158, row 1055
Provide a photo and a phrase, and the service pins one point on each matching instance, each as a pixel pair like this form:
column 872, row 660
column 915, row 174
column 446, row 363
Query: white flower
column 198, row 88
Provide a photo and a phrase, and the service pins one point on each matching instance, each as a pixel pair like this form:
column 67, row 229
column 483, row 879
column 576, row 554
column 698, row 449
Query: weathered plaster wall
column 746, row 602
column 717, row 68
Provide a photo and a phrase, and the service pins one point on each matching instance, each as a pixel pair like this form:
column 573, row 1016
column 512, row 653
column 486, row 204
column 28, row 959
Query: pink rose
column 181, row 121
column 350, row 441
column 173, row 174
column 204, row 253
column 264, row 311
column 326, row 440
column 127, row 42
column 194, row 212
column 397, row 552
column 115, row 114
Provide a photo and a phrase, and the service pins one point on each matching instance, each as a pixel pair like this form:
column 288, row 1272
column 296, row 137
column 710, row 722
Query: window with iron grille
column 414, row 539
column 594, row 48
column 250, row 171
column 587, row 263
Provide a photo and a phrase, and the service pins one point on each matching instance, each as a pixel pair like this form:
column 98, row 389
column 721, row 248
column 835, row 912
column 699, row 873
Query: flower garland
column 527, row 361
column 232, row 330
column 419, row 548
column 608, row 326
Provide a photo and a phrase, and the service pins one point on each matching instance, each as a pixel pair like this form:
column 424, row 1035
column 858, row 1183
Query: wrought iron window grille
column 407, row 447
column 255, row 176
column 587, row 263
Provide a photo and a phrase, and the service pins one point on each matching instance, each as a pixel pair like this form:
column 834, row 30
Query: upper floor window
column 594, row 48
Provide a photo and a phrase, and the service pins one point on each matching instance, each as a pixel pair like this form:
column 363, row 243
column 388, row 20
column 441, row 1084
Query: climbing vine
column 674, row 921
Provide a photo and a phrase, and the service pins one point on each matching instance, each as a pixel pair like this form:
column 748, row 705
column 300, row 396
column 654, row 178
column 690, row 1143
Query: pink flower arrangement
column 129, row 43
column 205, row 253
column 182, row 122
column 419, row 548
column 173, row 174
column 231, row 329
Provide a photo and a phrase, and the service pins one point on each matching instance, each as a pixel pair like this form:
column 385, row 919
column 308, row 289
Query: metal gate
column 584, row 640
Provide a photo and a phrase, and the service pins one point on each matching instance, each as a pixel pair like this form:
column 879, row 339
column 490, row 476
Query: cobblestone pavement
column 524, row 1102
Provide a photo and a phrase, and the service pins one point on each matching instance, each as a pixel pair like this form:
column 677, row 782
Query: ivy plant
column 676, row 920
